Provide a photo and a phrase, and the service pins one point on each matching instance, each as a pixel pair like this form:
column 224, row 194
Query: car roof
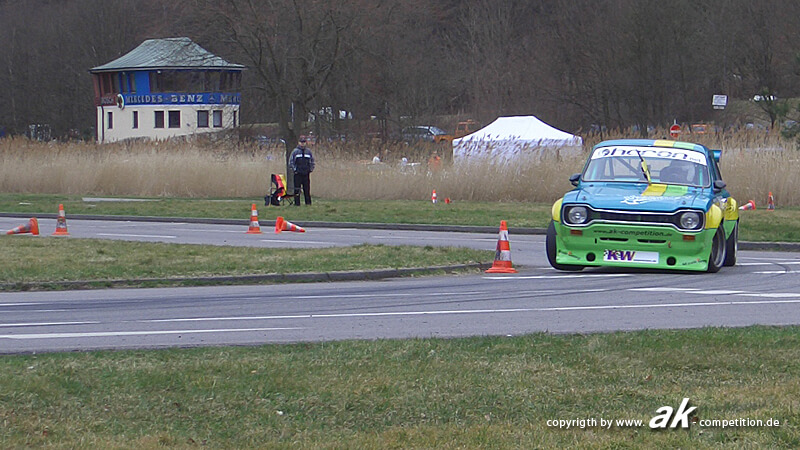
column 662, row 143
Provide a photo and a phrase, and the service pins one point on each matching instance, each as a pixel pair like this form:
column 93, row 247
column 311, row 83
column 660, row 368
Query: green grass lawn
column 42, row 263
column 484, row 392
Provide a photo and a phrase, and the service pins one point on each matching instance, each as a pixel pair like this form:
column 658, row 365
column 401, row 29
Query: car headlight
column 577, row 215
column 690, row 220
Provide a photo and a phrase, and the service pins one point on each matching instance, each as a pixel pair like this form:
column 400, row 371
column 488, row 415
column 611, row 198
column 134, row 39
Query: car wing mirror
column 719, row 185
column 574, row 178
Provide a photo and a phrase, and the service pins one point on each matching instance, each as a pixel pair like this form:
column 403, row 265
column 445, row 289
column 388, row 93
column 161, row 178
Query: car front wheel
column 732, row 246
column 717, row 256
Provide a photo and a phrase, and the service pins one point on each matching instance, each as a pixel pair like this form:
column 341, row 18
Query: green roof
column 169, row 53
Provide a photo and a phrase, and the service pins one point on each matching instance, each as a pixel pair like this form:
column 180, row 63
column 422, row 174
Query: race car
column 646, row 203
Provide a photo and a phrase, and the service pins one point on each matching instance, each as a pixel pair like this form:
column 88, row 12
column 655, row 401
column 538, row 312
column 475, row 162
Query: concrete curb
column 270, row 278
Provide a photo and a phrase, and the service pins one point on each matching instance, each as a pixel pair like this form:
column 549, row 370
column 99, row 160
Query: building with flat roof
column 165, row 88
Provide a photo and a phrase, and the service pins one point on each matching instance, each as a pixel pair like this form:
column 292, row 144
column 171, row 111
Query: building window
column 234, row 118
column 159, row 119
column 131, row 83
column 136, row 119
column 174, row 119
column 202, row 119
column 110, row 120
column 217, row 119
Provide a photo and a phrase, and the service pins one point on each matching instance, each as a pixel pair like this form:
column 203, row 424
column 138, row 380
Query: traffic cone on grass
column 282, row 224
column 61, row 222
column 749, row 205
column 502, row 258
column 434, row 197
column 255, row 228
column 770, row 202
column 31, row 227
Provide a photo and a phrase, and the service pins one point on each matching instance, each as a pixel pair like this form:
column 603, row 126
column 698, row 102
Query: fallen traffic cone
column 770, row 202
column 282, row 224
column 502, row 258
column 749, row 205
column 31, row 227
column 447, row 200
column 433, row 197
column 255, row 228
column 61, row 222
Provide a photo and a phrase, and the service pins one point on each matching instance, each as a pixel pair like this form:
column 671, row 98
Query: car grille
column 671, row 219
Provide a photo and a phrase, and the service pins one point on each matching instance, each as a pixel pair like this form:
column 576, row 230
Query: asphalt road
column 763, row 288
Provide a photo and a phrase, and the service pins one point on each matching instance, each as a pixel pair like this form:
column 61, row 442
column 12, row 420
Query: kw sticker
column 630, row 256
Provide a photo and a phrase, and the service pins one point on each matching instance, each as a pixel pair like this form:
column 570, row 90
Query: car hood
column 640, row 196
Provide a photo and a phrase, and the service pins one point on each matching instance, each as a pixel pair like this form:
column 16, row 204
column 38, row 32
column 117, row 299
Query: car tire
column 550, row 246
column 732, row 246
column 716, row 257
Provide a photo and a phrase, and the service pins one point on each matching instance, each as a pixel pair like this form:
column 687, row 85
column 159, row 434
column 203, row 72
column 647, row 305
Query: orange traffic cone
column 61, row 222
column 433, row 197
column 282, row 224
column 31, row 227
column 749, row 205
column 770, row 202
column 502, row 259
column 255, row 228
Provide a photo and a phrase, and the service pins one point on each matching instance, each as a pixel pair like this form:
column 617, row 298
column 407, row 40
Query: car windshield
column 437, row 131
column 666, row 165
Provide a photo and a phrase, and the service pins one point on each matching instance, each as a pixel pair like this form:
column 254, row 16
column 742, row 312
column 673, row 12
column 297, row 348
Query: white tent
column 510, row 137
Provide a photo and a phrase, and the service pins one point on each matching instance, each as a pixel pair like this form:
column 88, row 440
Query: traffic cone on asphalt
column 61, row 222
column 31, row 227
column 282, row 224
column 255, row 228
column 433, row 197
column 749, row 205
column 770, row 202
column 502, row 258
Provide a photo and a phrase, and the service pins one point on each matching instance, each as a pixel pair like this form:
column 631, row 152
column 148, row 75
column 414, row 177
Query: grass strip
column 483, row 392
column 97, row 260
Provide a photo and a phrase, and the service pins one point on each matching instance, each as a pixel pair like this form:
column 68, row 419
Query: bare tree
column 291, row 46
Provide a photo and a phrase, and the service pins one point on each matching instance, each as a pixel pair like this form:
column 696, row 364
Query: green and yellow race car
column 646, row 203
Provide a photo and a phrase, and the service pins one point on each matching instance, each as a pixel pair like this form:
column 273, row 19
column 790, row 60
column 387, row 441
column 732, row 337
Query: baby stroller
column 277, row 190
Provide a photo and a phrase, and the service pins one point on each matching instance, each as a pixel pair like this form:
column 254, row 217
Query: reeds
column 753, row 164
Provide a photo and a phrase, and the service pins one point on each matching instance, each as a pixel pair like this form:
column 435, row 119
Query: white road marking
column 776, row 262
column 45, row 324
column 777, row 272
column 717, row 292
column 432, row 294
column 138, row 235
column 771, row 294
column 548, row 277
column 662, row 289
column 133, row 333
column 478, row 311
column 284, row 241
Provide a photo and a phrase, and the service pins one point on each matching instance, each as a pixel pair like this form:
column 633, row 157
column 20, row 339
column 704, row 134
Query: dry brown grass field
column 753, row 164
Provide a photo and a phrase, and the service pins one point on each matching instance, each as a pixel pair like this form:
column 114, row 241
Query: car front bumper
column 630, row 245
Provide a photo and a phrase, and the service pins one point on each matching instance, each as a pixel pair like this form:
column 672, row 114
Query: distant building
column 165, row 88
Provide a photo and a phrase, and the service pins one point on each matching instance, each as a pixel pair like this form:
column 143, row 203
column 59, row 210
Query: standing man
column 302, row 163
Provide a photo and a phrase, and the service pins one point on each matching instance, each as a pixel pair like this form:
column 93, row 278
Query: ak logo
column 670, row 418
